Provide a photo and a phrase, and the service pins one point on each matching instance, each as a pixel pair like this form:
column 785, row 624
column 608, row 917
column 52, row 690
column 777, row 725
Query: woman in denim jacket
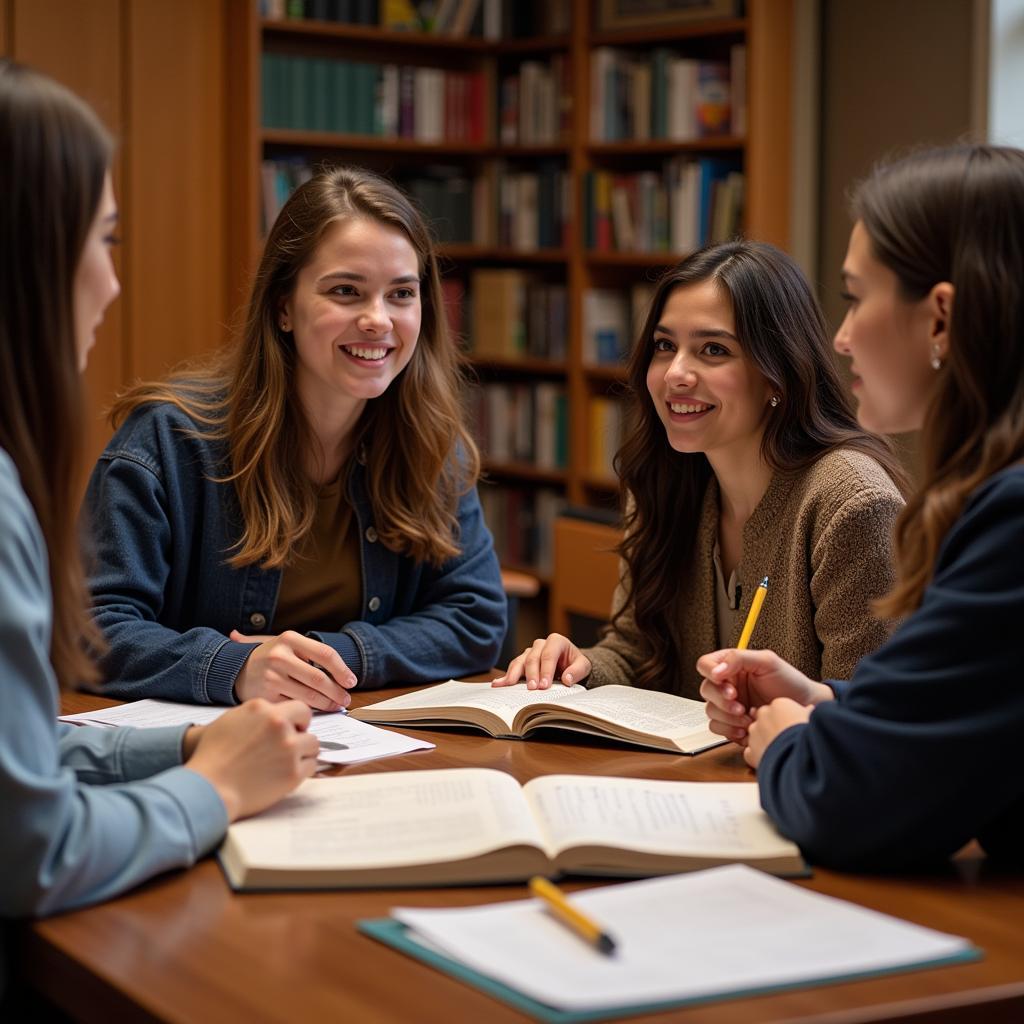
column 299, row 515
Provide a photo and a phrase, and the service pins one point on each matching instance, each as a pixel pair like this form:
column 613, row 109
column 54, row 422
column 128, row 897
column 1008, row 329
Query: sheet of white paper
column 728, row 929
column 148, row 714
column 343, row 740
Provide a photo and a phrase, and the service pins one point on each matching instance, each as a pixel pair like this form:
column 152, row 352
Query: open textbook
column 729, row 931
column 453, row 826
column 643, row 717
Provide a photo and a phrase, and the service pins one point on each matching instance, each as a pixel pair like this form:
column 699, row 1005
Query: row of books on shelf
column 325, row 94
column 502, row 206
column 686, row 205
column 522, row 423
column 522, row 522
column 535, row 103
column 606, row 425
column 517, row 315
column 612, row 321
column 489, row 19
column 664, row 95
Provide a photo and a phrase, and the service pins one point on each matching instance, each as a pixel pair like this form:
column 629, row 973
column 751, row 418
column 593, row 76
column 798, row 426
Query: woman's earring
column 936, row 358
column 774, row 401
column 285, row 325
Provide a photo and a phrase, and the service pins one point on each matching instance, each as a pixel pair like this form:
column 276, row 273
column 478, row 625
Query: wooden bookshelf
column 763, row 151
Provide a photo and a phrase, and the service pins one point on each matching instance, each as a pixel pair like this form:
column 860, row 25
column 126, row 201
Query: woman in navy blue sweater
column 918, row 753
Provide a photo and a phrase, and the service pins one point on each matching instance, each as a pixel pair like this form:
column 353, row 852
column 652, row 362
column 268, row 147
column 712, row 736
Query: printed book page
column 389, row 820
column 726, row 930
column 648, row 711
column 502, row 701
column 688, row 819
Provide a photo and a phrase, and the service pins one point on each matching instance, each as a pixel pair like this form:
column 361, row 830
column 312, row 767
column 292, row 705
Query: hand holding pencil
column 738, row 681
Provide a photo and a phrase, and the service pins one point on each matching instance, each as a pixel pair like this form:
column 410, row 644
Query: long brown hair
column 421, row 456
column 782, row 330
column 955, row 214
column 54, row 157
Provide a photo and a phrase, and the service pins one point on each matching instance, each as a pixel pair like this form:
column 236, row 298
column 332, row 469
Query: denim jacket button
column 374, row 604
column 371, row 534
column 258, row 620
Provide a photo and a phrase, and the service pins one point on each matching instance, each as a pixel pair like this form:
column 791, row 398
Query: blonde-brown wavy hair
column 420, row 454
column 955, row 214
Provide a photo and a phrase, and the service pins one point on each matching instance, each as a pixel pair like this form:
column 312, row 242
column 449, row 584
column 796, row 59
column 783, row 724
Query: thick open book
column 453, row 826
column 643, row 717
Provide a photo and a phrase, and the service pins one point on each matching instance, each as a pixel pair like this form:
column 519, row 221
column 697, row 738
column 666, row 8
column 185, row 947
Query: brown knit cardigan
column 823, row 537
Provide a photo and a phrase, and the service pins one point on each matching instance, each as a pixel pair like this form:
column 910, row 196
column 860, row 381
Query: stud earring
column 774, row 401
column 285, row 326
column 936, row 359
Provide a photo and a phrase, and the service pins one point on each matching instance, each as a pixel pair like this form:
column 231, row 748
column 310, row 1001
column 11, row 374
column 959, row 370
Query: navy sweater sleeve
column 921, row 751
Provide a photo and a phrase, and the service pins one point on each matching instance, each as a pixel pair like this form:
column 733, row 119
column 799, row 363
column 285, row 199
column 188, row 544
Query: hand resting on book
column 544, row 661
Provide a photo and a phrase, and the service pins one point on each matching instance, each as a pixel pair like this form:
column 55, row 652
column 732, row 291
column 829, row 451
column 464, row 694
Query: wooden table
column 184, row 948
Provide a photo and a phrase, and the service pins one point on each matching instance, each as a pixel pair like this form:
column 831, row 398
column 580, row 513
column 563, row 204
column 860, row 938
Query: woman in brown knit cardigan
column 744, row 460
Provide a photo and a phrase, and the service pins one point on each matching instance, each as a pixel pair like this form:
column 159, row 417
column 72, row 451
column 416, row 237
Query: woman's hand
column 769, row 721
column 294, row 667
column 736, row 683
column 254, row 754
column 546, row 659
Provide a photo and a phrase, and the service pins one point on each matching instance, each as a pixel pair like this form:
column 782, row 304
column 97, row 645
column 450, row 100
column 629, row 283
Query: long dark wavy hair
column 54, row 157
column 782, row 331
column 245, row 394
column 955, row 214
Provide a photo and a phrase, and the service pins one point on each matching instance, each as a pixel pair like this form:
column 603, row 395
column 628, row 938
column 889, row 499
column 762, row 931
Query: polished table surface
column 185, row 948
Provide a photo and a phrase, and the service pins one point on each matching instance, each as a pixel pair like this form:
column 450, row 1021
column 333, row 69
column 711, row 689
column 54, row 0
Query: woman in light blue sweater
column 87, row 813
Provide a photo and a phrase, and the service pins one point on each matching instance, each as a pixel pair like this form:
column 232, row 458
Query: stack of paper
column 727, row 931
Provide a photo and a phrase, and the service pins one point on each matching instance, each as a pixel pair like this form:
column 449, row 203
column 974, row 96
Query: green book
column 341, row 96
column 319, row 94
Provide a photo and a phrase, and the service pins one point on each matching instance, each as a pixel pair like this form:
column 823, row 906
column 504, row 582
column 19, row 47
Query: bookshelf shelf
column 525, row 471
column 296, row 139
column 615, row 258
column 605, row 373
column 536, row 367
column 544, row 579
column 482, row 254
column 291, row 139
column 665, row 147
column 306, row 28
column 567, row 270
column 661, row 35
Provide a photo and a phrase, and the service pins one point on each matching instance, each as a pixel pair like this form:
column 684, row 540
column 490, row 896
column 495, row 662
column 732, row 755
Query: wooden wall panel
column 80, row 44
column 176, row 153
column 770, row 122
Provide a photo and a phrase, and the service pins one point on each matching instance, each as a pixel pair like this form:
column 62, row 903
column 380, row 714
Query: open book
column 453, row 826
column 643, row 717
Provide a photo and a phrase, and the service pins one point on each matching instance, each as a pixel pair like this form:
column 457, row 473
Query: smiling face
column 355, row 316
column 889, row 341
column 709, row 395
column 96, row 285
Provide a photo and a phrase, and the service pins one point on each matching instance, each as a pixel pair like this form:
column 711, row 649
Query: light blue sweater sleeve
column 87, row 812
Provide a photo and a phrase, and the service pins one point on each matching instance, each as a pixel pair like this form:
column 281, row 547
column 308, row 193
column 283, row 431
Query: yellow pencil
column 570, row 916
column 755, row 611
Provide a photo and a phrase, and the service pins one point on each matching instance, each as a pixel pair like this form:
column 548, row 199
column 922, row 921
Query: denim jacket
column 166, row 597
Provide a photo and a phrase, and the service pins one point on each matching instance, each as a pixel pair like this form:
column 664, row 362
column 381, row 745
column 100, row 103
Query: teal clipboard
column 393, row 933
